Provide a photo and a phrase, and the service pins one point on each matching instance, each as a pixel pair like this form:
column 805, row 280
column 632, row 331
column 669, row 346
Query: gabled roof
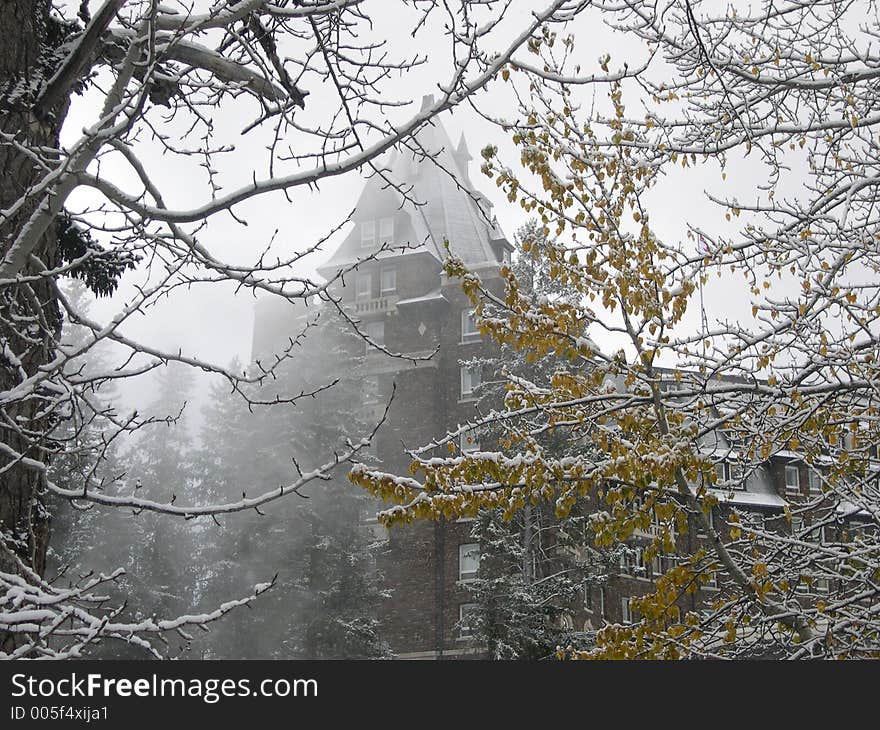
column 435, row 176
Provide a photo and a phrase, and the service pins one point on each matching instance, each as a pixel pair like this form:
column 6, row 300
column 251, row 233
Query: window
column 662, row 564
column 632, row 561
column 468, row 443
column 588, row 597
column 730, row 471
column 368, row 233
column 363, row 286
column 469, row 331
column 386, row 230
column 388, row 281
column 711, row 576
column 710, row 518
column 376, row 332
column 626, row 611
column 657, row 566
column 792, row 480
column 468, row 561
column 601, row 603
column 661, row 527
column 668, row 385
column 736, row 474
column 797, row 525
column 814, row 481
column 467, row 612
column 470, row 380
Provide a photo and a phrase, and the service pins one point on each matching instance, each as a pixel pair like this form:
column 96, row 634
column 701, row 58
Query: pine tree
column 160, row 467
column 533, row 569
column 85, row 456
column 232, row 554
column 327, row 590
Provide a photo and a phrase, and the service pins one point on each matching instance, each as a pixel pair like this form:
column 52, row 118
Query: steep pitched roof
column 450, row 209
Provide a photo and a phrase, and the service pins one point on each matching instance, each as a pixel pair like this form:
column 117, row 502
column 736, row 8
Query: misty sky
column 212, row 322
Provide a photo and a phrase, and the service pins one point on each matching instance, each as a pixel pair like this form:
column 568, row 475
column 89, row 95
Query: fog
column 207, row 445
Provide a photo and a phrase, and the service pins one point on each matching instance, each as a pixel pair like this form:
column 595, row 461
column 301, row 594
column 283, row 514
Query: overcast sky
column 215, row 324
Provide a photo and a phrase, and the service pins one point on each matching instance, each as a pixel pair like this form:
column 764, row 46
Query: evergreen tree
column 327, row 590
column 160, row 467
column 340, row 582
column 533, row 569
column 221, row 471
column 85, row 456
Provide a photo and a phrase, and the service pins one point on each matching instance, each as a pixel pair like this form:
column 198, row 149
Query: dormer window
column 368, row 233
column 730, row 475
column 386, row 230
column 373, row 232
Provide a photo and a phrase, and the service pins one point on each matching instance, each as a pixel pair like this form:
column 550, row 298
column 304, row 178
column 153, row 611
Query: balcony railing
column 375, row 306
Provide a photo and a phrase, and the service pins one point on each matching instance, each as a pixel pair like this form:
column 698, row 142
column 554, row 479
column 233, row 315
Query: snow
column 432, row 296
column 751, row 499
column 586, row 343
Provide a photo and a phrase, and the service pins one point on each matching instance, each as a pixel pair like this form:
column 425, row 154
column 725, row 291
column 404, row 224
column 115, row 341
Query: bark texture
column 29, row 314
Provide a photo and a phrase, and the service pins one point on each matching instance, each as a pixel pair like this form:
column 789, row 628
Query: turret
column 462, row 157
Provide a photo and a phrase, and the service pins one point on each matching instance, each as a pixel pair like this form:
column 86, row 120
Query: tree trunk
column 29, row 313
